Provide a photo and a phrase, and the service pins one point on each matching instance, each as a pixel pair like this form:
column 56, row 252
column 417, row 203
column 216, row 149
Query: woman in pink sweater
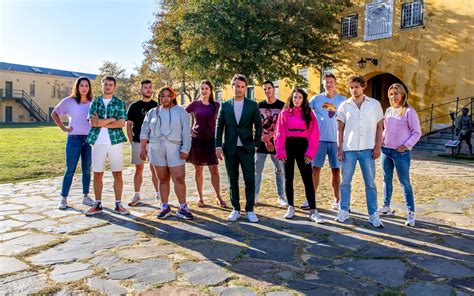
column 402, row 131
column 296, row 139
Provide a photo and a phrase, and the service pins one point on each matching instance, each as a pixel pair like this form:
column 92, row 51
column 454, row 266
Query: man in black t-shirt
column 270, row 108
column 136, row 114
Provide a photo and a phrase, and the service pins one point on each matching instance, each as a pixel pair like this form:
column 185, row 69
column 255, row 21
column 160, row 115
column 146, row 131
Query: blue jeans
column 367, row 165
column 76, row 147
column 391, row 159
column 279, row 175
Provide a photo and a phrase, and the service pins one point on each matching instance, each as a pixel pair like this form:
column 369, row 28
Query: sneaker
column 94, row 210
column 385, row 210
column 282, row 201
column 63, row 203
column 410, row 219
column 305, row 205
column 184, row 213
column 234, row 215
column 375, row 220
column 290, row 213
column 335, row 205
column 119, row 209
column 342, row 216
column 86, row 200
column 164, row 213
column 134, row 201
column 252, row 217
column 315, row 217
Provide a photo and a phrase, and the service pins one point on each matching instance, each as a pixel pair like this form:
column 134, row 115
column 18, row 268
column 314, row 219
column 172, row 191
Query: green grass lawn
column 33, row 151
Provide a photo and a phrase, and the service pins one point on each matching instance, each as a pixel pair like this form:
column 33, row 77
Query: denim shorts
column 329, row 149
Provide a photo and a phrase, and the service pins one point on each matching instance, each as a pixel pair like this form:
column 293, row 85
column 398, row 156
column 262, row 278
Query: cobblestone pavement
column 45, row 250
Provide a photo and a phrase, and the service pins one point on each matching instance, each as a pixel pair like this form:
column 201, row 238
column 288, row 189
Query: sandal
column 221, row 203
column 201, row 204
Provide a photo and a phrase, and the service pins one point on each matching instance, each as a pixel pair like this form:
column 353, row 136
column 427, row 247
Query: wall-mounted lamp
column 363, row 62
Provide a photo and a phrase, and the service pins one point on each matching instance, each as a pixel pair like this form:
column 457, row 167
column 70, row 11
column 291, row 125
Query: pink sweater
column 401, row 130
column 291, row 124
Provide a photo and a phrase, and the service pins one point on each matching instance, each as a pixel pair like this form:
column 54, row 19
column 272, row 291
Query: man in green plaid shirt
column 107, row 117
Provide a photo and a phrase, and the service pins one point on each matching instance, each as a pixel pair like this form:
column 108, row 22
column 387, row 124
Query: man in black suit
column 239, row 120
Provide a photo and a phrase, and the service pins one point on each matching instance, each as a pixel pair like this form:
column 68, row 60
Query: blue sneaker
column 164, row 213
column 184, row 213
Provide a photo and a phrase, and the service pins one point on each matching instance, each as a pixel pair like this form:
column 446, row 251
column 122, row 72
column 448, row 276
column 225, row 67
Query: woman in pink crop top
column 296, row 139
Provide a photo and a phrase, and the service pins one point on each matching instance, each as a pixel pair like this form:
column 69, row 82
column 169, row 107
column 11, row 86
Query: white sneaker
column 252, row 217
column 305, row 205
column 86, row 200
column 315, row 217
column 342, row 216
column 335, row 205
column 234, row 215
column 385, row 210
column 63, row 203
column 410, row 219
column 375, row 220
column 282, row 201
column 134, row 201
column 290, row 213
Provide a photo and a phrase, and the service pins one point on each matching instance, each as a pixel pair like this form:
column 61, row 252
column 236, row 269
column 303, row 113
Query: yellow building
column 427, row 46
column 29, row 93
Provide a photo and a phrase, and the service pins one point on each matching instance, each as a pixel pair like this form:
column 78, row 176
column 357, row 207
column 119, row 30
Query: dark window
column 8, row 89
column 8, row 114
column 412, row 14
column 349, row 26
column 51, row 109
column 32, row 90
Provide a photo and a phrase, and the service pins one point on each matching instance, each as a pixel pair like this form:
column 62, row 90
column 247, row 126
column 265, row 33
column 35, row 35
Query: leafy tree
column 261, row 39
column 125, row 90
column 186, row 87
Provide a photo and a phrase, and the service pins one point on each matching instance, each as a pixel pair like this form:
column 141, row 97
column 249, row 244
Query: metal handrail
column 32, row 106
column 446, row 103
column 456, row 111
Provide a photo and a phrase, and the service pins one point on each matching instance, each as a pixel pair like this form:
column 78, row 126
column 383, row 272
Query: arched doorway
column 377, row 87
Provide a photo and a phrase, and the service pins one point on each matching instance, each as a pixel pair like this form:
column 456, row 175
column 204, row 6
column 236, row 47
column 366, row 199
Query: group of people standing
column 242, row 133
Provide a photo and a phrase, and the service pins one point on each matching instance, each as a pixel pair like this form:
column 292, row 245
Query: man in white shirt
column 360, row 121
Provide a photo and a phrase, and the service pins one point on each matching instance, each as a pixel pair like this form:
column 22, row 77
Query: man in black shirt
column 270, row 108
column 136, row 114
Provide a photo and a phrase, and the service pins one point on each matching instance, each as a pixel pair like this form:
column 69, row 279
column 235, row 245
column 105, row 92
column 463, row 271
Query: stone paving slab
column 10, row 265
column 151, row 271
column 22, row 283
column 203, row 273
column 24, row 243
column 81, row 247
column 108, row 287
column 70, row 272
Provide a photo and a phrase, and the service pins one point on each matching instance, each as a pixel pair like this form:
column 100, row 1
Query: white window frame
column 349, row 26
column 412, row 21
column 378, row 20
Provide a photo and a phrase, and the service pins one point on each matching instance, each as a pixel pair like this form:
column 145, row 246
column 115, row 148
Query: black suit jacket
column 249, row 128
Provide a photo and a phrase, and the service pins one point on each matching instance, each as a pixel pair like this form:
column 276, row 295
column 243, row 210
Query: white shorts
column 101, row 152
column 165, row 154
column 135, row 153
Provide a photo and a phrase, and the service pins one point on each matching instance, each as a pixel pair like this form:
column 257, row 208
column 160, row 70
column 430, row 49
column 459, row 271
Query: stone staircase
column 434, row 142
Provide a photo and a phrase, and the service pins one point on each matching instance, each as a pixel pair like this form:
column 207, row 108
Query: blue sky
column 75, row 35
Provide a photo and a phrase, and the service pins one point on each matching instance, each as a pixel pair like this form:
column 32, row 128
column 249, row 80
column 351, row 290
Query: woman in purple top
column 204, row 113
column 402, row 131
column 76, row 107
